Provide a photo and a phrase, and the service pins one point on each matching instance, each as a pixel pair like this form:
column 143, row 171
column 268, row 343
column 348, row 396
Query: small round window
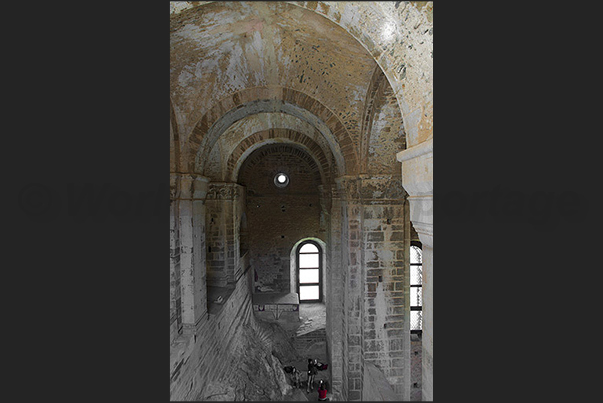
column 281, row 180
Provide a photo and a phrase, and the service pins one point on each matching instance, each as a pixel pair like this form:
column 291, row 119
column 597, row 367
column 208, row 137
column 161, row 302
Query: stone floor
column 312, row 317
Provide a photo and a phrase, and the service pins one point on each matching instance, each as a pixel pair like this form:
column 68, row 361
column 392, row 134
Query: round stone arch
column 273, row 148
column 409, row 70
column 293, row 266
column 385, row 29
column 222, row 160
column 257, row 100
column 274, row 136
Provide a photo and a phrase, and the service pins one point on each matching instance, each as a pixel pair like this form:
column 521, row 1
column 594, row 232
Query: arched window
column 309, row 271
column 416, row 287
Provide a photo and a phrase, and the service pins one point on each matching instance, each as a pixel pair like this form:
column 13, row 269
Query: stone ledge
column 415, row 151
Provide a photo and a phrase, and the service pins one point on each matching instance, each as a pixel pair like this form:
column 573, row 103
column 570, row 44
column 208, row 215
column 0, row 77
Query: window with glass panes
column 309, row 272
column 416, row 288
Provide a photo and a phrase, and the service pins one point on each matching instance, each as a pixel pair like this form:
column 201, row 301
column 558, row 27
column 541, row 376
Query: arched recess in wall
column 293, row 266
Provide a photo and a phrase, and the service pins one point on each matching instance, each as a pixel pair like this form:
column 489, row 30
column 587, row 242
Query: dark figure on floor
column 322, row 391
column 296, row 378
column 312, row 371
column 294, row 374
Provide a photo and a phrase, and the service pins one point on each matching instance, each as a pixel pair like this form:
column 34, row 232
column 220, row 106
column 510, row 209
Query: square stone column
column 353, row 283
column 225, row 206
column 175, row 292
column 190, row 216
column 371, row 273
column 334, row 304
column 386, row 312
column 417, row 179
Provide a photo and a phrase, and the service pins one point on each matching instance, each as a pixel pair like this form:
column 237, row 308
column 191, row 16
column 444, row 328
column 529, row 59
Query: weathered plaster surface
column 223, row 47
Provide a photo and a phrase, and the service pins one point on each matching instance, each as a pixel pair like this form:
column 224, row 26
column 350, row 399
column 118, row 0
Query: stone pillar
column 175, row 295
column 417, row 179
column 335, row 310
column 370, row 241
column 353, row 283
column 386, row 336
column 200, row 185
column 407, row 341
column 191, row 235
column 325, row 216
column 224, row 213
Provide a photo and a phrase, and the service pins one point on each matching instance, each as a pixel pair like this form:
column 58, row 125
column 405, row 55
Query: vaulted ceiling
column 276, row 65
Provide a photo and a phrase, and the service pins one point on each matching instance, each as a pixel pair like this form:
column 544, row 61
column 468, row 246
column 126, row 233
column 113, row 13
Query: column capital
column 184, row 186
column 415, row 151
column 224, row 191
column 417, row 169
column 421, row 216
column 346, row 187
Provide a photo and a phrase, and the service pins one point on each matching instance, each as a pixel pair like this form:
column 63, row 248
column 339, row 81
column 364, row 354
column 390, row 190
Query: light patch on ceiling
column 388, row 32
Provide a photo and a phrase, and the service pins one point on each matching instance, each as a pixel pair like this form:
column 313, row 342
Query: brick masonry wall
column 335, row 309
column 374, row 321
column 277, row 218
column 354, row 301
column 384, row 305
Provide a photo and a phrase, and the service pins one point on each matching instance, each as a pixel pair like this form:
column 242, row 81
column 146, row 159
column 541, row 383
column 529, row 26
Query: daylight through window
column 416, row 288
column 309, row 269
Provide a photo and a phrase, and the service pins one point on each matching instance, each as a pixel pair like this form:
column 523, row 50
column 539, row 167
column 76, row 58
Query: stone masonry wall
column 175, row 295
column 188, row 289
column 206, row 356
column 416, row 368
column 374, row 238
column 384, row 302
column 334, row 305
